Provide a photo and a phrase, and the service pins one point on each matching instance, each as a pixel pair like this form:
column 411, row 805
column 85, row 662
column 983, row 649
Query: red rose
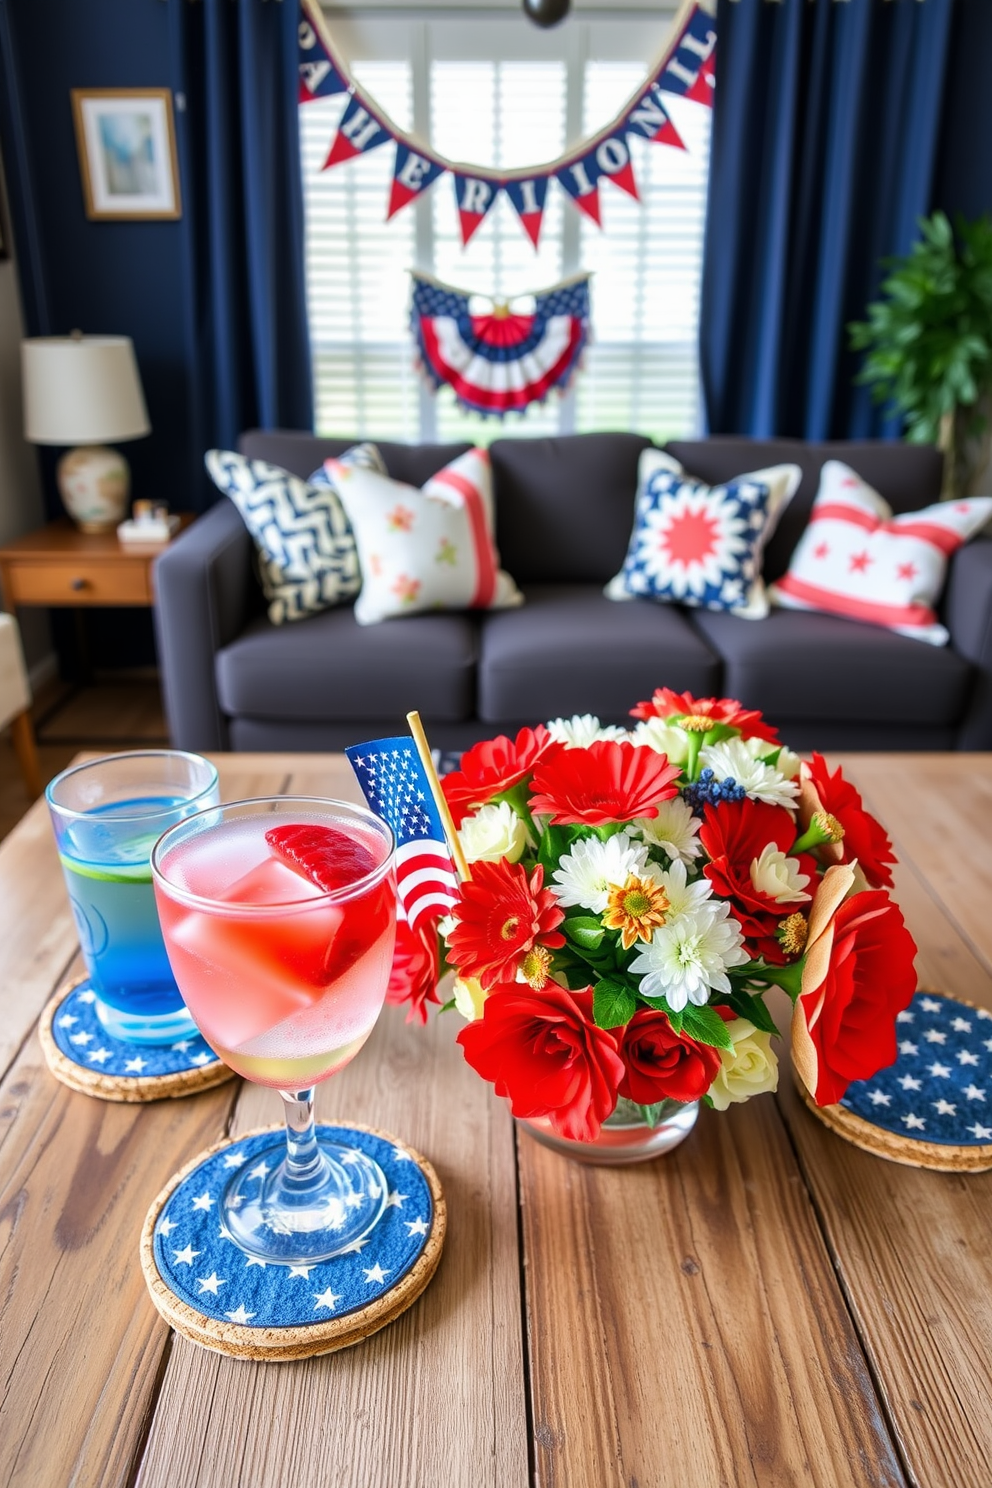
column 501, row 917
column 544, row 1052
column 864, row 837
column 734, row 834
column 416, row 963
column 858, row 974
column 661, row 1064
column 608, row 782
column 701, row 714
column 494, row 766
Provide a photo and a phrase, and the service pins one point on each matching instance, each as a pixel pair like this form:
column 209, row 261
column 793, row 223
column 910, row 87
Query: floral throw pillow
column 427, row 549
column 306, row 552
column 856, row 559
column 701, row 545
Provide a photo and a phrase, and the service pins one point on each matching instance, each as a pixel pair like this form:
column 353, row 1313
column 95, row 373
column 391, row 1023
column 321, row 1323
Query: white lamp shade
column 82, row 390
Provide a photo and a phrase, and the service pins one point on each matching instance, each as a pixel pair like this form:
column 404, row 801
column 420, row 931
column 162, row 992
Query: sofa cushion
column 907, row 475
column 564, row 506
column 570, row 650
column 301, row 452
column 329, row 667
column 805, row 665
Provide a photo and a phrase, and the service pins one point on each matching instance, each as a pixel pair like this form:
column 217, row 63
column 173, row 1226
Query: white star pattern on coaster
column 982, row 1133
column 940, row 1071
column 203, row 1201
column 185, row 1257
column 929, row 1005
column 201, row 1059
column 87, row 996
column 233, row 1160
column 908, row 1047
column 135, row 1066
column 183, row 1045
column 67, row 1020
column 98, row 1056
column 255, row 1261
column 376, row 1273
column 935, row 1036
column 303, row 1271
column 395, row 1200
column 327, row 1299
column 945, row 1108
column 416, row 1226
column 909, row 1083
column 239, row 1315
column 81, row 1038
column 904, row 1017
column 166, row 1227
column 879, row 1098
column 965, row 1056
column 973, row 1092
column 914, row 1123
column 210, row 1283
column 960, row 1025
column 259, row 1170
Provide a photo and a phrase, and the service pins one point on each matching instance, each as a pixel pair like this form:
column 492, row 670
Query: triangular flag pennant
column 412, row 174
column 528, row 198
column 474, row 196
column 702, row 89
column 580, row 179
column 649, row 118
column 695, row 46
column 320, row 75
column 358, row 132
column 613, row 162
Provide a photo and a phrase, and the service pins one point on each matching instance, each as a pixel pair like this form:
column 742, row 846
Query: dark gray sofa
column 564, row 508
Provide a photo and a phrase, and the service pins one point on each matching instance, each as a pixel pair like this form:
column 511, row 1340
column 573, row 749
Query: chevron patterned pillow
column 306, row 552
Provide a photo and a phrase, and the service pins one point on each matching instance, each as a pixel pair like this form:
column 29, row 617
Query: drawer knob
column 79, row 584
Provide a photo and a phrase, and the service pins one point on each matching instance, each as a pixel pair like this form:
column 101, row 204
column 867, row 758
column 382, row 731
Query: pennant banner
column 686, row 68
column 499, row 362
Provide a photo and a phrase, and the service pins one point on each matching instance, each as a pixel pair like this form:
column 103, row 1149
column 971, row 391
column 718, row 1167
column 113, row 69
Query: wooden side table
column 60, row 566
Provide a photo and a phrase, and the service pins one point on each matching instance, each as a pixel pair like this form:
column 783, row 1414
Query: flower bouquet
column 634, row 894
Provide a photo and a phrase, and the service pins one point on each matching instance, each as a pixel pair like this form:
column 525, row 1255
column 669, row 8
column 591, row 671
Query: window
column 493, row 91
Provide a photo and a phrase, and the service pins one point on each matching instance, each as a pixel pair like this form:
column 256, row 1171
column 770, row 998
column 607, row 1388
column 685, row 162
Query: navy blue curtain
column 825, row 132
column 243, row 239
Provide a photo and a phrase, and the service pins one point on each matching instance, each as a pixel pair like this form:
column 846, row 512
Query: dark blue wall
column 963, row 180
column 104, row 277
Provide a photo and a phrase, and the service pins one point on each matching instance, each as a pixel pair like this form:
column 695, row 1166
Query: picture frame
column 126, row 141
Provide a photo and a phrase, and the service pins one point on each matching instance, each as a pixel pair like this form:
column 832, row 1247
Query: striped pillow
column 856, row 559
column 431, row 549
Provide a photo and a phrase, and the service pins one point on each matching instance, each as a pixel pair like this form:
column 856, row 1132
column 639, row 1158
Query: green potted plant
column 929, row 343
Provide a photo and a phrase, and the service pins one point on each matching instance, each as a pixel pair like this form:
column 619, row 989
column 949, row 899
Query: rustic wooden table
column 765, row 1306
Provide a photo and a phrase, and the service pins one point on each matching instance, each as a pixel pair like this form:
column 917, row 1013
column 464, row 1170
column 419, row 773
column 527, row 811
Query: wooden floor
column 120, row 714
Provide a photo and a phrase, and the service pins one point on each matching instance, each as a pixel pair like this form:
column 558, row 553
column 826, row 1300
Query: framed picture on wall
column 127, row 153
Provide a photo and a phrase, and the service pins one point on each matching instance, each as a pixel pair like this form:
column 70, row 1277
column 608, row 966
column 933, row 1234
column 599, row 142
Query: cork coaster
column 209, row 1290
column 79, row 1051
column 933, row 1107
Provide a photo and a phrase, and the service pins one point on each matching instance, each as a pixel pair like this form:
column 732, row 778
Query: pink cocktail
column 279, row 918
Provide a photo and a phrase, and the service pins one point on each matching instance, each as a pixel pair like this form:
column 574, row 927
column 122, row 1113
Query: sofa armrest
column 968, row 617
column 202, row 590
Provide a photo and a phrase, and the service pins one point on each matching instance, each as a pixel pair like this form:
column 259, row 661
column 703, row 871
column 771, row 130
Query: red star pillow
column 856, row 559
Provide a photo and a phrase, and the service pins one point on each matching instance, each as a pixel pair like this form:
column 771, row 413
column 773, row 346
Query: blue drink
column 107, row 817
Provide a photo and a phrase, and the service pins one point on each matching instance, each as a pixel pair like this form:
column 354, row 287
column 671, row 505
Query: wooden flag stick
column 450, row 830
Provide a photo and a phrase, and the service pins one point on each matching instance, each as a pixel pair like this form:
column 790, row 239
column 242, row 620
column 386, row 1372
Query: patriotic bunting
column 500, row 362
column 686, row 69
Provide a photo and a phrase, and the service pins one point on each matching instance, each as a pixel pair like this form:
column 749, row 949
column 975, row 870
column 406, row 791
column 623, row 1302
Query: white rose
column 469, row 997
column 493, row 832
column 778, row 876
column 749, row 1068
column 664, row 738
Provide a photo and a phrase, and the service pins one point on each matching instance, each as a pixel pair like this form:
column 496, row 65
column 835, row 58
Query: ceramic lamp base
column 621, row 1140
column 95, row 485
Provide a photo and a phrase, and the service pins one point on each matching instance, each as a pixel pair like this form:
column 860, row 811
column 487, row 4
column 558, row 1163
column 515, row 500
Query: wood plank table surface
column 765, row 1305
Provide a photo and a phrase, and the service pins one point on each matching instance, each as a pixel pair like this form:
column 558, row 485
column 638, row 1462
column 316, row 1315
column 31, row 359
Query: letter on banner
column 357, row 133
column 412, row 174
column 649, row 118
column 613, row 162
column 580, row 179
column 528, row 198
column 474, row 196
column 692, row 55
column 319, row 76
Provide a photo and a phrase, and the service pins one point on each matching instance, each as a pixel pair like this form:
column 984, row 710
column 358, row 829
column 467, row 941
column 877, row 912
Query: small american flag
column 397, row 790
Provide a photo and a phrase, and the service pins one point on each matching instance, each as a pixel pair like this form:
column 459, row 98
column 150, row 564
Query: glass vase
column 625, row 1136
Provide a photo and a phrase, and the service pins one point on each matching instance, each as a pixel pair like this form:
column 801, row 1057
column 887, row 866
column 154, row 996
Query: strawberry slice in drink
column 333, row 860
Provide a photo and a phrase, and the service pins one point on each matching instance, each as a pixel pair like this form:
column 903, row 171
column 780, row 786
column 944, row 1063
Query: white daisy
column 591, row 868
column 786, row 764
column 732, row 759
column 663, row 738
column 687, row 959
column 683, row 897
column 494, row 832
column 674, row 829
column 583, row 729
column 774, row 874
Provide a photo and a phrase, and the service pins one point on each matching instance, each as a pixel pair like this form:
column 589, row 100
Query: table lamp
column 85, row 391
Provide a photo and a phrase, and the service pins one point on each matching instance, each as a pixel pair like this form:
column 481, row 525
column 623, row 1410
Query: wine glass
column 279, row 916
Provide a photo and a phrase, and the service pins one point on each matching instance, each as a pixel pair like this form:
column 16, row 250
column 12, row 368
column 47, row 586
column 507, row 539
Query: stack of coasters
column 933, row 1107
column 81, row 1053
column 208, row 1289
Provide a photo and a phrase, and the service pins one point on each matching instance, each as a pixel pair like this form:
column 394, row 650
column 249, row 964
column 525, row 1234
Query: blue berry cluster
column 708, row 790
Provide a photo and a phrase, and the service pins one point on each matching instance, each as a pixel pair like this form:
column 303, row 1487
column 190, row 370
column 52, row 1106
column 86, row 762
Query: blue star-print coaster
column 82, row 1054
column 933, row 1107
column 211, row 1290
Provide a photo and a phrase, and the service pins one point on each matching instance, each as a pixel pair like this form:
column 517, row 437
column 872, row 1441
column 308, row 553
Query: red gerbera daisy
column 494, row 766
column 733, row 835
column 416, row 966
column 864, row 837
column 501, row 916
column 608, row 782
column 700, row 714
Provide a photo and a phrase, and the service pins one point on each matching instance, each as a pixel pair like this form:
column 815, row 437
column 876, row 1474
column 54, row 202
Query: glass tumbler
column 107, row 815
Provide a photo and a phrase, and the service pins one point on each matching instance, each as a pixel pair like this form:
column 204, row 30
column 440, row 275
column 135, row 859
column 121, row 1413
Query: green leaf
column 585, row 931
column 661, row 1006
column 651, row 1115
column 705, row 1025
column 752, row 1008
column 612, row 1004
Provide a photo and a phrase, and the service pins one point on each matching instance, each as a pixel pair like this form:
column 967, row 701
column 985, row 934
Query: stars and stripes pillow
column 306, row 552
column 427, row 549
column 856, row 559
column 700, row 545
column 397, row 790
